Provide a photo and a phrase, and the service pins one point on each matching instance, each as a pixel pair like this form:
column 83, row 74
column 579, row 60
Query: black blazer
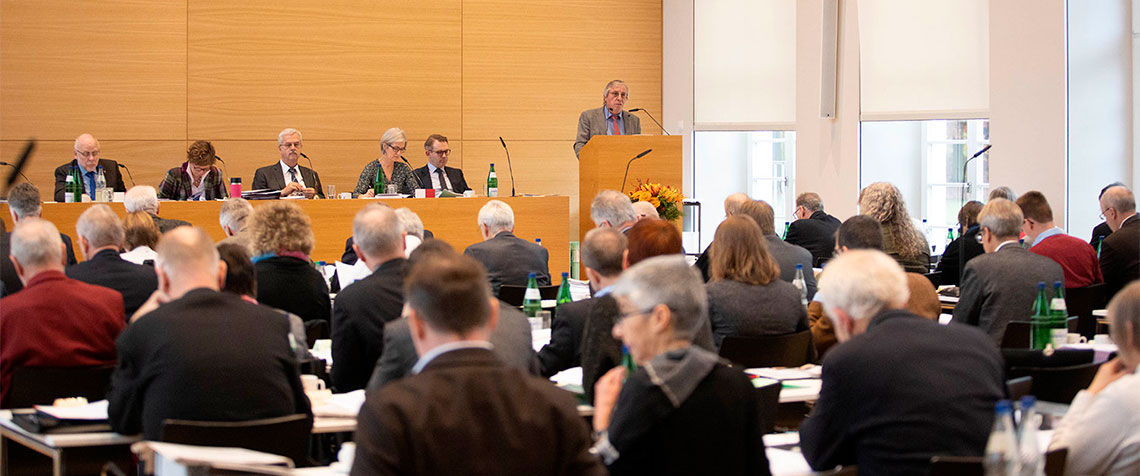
column 8, row 274
column 1120, row 256
column 291, row 284
column 458, row 184
column 565, row 348
column 110, row 172
column 205, row 356
column 135, row 282
column 964, row 248
column 816, row 234
column 509, row 260
column 1099, row 232
column 272, row 177
column 359, row 314
column 887, row 393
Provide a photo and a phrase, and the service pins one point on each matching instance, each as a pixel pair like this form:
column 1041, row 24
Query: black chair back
column 935, row 278
column 1018, row 387
column 316, row 330
column 1058, row 384
column 1081, row 302
column 1037, row 358
column 956, row 466
column 791, row 350
column 1055, row 461
column 42, row 385
column 768, row 401
column 1017, row 333
column 286, row 436
column 513, row 294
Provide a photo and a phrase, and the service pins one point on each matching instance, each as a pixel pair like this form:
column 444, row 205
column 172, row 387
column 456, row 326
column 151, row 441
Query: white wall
column 677, row 79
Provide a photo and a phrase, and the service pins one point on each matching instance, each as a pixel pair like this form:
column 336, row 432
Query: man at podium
column 609, row 119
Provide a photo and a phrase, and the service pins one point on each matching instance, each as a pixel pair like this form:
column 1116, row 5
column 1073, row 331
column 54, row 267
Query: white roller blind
column 924, row 59
column 744, row 62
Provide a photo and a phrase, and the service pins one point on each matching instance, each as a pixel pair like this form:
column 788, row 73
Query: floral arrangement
column 667, row 200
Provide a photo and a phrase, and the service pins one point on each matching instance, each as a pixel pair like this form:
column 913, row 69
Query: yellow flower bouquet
column 667, row 200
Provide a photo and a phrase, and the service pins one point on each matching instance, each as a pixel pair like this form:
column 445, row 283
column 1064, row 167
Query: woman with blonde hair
column 395, row 172
column 141, row 236
column 746, row 295
column 901, row 239
column 281, row 236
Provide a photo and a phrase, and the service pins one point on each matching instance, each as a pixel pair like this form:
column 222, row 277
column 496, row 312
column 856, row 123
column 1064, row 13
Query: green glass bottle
column 1059, row 312
column 77, row 194
column 949, row 236
column 492, row 183
column 532, row 300
column 627, row 362
column 787, row 226
column 564, row 289
column 378, row 185
column 1099, row 242
column 1040, row 327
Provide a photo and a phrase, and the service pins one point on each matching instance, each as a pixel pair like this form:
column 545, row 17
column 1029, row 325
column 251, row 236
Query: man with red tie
column 609, row 119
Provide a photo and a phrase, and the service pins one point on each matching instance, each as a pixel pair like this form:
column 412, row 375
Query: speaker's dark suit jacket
column 469, row 413
column 458, row 184
column 565, row 348
column 272, row 177
column 816, row 234
column 110, row 172
column 359, row 314
column 205, row 356
column 1120, row 256
column 887, row 395
column 1001, row 286
column 135, row 282
column 509, row 260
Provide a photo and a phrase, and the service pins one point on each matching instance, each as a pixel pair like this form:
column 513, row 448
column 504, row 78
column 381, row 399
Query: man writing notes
column 609, row 119
column 90, row 166
column 436, row 174
column 286, row 175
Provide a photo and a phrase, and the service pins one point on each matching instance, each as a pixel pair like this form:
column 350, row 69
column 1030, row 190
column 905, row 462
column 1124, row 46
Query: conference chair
column 768, row 401
column 935, row 278
column 1017, row 333
column 790, row 350
column 1018, row 387
column 42, row 385
column 514, row 294
column 1081, row 302
column 1058, row 384
column 286, row 436
column 972, row 465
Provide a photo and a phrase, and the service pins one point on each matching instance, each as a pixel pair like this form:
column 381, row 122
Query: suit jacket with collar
column 1001, row 286
column 134, row 282
column 458, row 184
column 291, row 284
column 815, row 234
column 166, row 224
column 592, row 122
column 886, row 394
column 509, row 260
column 511, row 340
column 271, row 177
column 469, row 413
column 359, row 314
column 1120, row 256
column 788, row 256
column 110, row 172
column 565, row 348
column 205, row 356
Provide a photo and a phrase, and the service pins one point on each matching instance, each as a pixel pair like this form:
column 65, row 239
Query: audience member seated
column 813, row 229
column 8, row 275
column 286, row 175
column 901, row 239
column 23, row 202
column 1077, row 259
column 413, row 229
column 282, row 238
column 90, row 165
column 140, row 237
column 645, row 210
column 233, row 218
column 1002, row 192
column 100, row 237
column 55, row 321
column 732, row 205
column 507, row 258
column 746, row 296
column 602, row 252
column 683, row 411
column 241, row 280
column 1102, row 427
column 898, row 389
column 363, row 308
column 463, row 411
column 1120, row 252
column 1001, row 285
column 511, row 338
column 1102, row 230
column 392, row 144
column 436, row 174
column 963, row 248
column 195, row 179
column 143, row 198
column 786, row 254
column 613, row 209
column 201, row 354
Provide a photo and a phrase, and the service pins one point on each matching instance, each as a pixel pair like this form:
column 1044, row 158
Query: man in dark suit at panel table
column 608, row 120
column 508, row 259
column 286, row 175
column 90, row 165
column 813, row 229
column 100, row 236
column 1120, row 252
column 436, row 174
column 463, row 411
column 196, row 353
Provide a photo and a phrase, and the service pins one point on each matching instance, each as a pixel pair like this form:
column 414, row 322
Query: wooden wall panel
column 115, row 68
column 540, row 168
column 335, row 70
column 148, row 160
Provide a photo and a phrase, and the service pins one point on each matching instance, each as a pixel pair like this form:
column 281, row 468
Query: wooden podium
column 601, row 165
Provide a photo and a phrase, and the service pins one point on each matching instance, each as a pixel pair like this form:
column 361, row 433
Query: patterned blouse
column 401, row 175
column 177, row 185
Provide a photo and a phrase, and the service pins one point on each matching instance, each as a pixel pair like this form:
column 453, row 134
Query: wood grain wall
column 147, row 77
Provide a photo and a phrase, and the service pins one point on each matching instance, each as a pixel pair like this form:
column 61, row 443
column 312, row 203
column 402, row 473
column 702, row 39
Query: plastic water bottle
column 801, row 284
column 532, row 300
column 1001, row 449
column 1029, row 452
column 100, row 181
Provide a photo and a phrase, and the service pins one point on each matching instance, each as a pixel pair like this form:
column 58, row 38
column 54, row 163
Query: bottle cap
column 565, row 274
column 531, row 276
column 1041, row 285
column 1003, row 406
column 1028, row 401
column 1056, row 284
column 799, row 266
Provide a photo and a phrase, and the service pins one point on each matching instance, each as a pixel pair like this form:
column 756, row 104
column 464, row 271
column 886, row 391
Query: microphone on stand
column 417, row 177
column 964, row 165
column 17, row 171
column 310, row 161
column 509, row 168
column 636, row 109
column 124, row 167
column 624, row 177
column 224, row 171
column 23, row 161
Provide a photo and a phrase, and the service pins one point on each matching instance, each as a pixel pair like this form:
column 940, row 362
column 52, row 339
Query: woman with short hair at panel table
column 196, row 178
column 392, row 144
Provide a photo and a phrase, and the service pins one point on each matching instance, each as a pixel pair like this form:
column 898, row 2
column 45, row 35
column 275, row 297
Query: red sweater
column 1076, row 257
column 58, row 322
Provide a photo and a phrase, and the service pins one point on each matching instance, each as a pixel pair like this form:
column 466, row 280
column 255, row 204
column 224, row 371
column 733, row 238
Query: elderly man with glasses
column 286, row 175
column 1120, row 251
column 90, row 166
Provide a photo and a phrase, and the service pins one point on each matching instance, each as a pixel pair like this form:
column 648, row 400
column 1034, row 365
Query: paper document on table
column 787, row 462
column 341, row 405
column 579, row 290
column 784, row 374
column 92, row 411
column 539, row 338
column 570, row 379
column 173, row 458
column 351, row 274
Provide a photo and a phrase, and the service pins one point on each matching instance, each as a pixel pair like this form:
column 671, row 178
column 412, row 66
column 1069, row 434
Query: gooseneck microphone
column 224, row 171
column 23, row 161
column 636, row 109
column 509, row 168
column 417, row 177
column 310, row 161
column 624, row 177
column 124, row 167
column 965, row 164
column 17, row 171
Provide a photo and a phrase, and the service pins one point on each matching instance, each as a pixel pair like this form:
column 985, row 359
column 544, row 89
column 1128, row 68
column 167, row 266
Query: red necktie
column 617, row 132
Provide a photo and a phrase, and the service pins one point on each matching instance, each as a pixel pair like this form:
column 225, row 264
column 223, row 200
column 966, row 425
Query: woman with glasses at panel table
column 392, row 144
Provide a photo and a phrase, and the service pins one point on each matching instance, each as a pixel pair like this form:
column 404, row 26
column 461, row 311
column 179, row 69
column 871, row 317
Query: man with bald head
column 54, row 321
column 90, row 165
column 195, row 353
column 1120, row 251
